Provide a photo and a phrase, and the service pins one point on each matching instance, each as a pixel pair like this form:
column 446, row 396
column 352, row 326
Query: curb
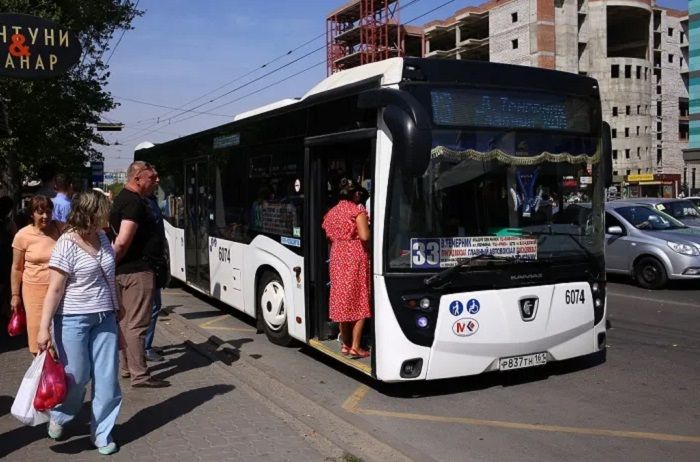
column 330, row 434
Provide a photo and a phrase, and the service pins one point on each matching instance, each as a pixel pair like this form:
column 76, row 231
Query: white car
column 695, row 200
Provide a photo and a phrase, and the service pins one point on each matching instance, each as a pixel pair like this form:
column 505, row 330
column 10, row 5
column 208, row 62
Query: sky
column 184, row 53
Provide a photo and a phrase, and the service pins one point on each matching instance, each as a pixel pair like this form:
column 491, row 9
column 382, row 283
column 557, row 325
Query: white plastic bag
column 23, row 407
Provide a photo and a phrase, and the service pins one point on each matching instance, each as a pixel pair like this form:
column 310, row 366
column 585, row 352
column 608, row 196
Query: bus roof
column 389, row 70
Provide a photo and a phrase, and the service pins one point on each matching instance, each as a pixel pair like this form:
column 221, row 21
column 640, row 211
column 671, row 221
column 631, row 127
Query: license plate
column 519, row 362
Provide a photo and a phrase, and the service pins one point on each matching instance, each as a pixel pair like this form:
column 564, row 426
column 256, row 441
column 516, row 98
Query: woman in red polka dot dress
column 347, row 228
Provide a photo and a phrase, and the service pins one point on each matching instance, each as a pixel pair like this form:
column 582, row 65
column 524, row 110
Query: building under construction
column 365, row 31
column 637, row 50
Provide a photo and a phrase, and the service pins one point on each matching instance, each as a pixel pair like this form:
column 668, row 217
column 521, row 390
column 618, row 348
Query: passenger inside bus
column 347, row 228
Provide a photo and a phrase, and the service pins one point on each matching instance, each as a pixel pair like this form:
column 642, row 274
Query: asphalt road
column 641, row 403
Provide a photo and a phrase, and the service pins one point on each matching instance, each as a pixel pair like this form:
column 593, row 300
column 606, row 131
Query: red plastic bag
column 52, row 387
column 18, row 323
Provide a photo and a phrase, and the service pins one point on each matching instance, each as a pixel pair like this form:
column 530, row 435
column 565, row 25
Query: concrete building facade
column 636, row 50
column 692, row 154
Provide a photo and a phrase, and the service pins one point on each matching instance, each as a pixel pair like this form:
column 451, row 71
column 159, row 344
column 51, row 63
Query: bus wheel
column 272, row 310
column 650, row 273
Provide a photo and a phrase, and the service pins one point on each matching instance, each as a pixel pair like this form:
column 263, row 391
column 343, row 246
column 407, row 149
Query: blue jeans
column 88, row 346
column 155, row 310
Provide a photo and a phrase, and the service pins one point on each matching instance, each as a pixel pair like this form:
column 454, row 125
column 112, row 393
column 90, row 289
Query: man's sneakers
column 154, row 356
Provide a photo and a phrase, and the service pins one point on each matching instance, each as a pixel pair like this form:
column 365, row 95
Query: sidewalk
column 205, row 415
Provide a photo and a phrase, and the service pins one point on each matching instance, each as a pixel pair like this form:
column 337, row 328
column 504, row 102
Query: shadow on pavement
column 23, row 435
column 8, row 343
column 193, row 358
column 200, row 314
column 5, row 404
column 19, row 438
column 150, row 418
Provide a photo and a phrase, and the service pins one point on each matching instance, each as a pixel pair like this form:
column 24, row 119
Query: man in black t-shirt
column 137, row 245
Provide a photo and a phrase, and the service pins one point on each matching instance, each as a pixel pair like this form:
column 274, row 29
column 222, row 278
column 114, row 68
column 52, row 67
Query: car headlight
column 684, row 249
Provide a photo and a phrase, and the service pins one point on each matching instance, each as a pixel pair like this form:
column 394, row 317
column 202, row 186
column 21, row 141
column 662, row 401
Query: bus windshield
column 503, row 192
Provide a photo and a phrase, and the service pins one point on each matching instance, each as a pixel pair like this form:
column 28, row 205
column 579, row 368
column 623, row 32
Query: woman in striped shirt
column 81, row 302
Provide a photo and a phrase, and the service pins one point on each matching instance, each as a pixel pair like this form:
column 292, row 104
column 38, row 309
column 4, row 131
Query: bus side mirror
column 408, row 123
column 607, row 156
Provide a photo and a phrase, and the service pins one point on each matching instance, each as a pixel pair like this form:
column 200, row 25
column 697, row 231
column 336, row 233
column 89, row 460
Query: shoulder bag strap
column 99, row 265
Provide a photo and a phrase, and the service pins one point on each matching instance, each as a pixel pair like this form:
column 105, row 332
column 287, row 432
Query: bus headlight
column 419, row 302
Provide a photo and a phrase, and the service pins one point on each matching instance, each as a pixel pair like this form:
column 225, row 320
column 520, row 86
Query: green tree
column 115, row 188
column 52, row 120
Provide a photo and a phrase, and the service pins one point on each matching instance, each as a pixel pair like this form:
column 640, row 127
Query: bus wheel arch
column 270, row 306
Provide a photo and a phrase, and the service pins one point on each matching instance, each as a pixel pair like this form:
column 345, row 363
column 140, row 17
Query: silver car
column 649, row 245
column 681, row 209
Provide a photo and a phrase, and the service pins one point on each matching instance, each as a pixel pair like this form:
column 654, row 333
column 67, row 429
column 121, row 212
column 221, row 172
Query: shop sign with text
column 641, row 177
column 35, row 48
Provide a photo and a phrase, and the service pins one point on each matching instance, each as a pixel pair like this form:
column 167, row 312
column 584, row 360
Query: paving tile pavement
column 203, row 416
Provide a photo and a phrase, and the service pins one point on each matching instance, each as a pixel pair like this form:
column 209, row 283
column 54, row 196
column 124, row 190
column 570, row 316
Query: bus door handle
column 297, row 271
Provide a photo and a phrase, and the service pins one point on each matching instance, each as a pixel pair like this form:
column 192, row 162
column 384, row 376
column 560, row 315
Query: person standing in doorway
column 137, row 240
column 347, row 228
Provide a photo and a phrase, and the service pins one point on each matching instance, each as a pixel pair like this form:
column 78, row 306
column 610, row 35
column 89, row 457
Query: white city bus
column 481, row 258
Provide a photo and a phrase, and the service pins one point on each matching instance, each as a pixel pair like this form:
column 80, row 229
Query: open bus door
column 330, row 158
column 197, row 208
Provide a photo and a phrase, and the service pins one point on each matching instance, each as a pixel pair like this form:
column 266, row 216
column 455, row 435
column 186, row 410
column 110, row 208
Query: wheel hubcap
column 650, row 273
column 272, row 303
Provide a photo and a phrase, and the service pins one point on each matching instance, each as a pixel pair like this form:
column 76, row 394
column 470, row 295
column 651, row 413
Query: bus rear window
column 471, row 107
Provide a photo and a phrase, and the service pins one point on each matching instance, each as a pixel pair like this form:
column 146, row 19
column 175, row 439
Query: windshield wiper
column 588, row 253
column 446, row 274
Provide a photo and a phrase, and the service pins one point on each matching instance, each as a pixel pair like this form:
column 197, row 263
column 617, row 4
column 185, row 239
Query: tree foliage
column 52, row 120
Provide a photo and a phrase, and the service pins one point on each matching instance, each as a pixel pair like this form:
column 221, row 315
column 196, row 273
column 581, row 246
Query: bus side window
column 276, row 192
column 230, row 220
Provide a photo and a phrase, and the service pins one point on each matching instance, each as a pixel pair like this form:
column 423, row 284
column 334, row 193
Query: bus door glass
column 198, row 209
column 329, row 164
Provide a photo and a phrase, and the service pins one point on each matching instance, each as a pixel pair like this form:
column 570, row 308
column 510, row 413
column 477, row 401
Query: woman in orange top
column 31, row 251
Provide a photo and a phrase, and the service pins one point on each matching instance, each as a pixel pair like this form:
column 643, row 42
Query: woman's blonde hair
column 89, row 209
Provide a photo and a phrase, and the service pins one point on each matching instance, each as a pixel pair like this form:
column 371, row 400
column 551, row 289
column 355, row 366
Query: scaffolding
column 361, row 32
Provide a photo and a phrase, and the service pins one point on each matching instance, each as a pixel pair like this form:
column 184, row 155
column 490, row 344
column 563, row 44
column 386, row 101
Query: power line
column 170, row 120
column 247, row 73
column 173, row 119
column 236, row 79
column 430, row 11
column 120, row 37
column 261, row 89
column 277, row 82
column 162, row 118
column 168, row 107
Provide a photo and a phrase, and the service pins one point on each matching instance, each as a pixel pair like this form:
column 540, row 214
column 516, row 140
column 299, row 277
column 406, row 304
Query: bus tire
column 271, row 309
column 650, row 273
